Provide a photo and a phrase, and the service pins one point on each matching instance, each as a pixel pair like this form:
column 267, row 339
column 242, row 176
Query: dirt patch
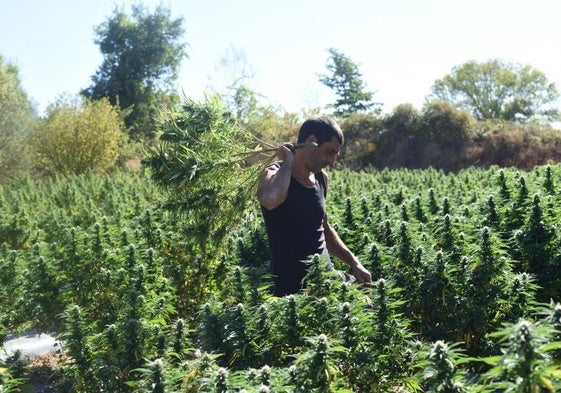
column 42, row 373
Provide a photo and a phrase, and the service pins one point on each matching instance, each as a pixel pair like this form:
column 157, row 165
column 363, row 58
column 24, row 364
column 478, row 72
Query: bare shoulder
column 270, row 171
column 274, row 166
column 273, row 186
column 267, row 175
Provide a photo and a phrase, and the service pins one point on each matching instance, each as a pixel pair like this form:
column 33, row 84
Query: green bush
column 445, row 125
column 76, row 138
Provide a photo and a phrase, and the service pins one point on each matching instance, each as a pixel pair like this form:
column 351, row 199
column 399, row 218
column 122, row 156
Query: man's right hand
column 286, row 151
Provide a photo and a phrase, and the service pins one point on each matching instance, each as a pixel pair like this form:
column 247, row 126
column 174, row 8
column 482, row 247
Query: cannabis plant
column 526, row 365
column 204, row 163
column 439, row 370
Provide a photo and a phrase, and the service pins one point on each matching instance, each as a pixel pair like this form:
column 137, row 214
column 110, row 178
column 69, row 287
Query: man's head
column 327, row 134
column 323, row 127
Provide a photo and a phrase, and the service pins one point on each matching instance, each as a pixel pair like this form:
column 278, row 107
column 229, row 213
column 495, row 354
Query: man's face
column 324, row 155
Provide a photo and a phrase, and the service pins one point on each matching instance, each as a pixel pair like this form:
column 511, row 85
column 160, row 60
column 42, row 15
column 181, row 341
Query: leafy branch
column 207, row 164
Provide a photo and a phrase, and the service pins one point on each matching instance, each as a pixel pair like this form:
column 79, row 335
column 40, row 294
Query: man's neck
column 303, row 174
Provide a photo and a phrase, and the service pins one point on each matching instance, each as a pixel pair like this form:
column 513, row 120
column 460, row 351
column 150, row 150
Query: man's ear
column 311, row 138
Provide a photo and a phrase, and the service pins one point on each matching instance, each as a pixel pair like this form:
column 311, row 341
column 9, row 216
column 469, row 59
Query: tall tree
column 346, row 81
column 16, row 118
column 499, row 90
column 142, row 56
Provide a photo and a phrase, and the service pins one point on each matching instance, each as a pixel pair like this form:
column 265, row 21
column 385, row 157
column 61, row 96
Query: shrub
column 360, row 139
column 504, row 145
column 76, row 138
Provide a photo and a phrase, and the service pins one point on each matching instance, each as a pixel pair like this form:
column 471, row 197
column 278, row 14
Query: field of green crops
column 466, row 272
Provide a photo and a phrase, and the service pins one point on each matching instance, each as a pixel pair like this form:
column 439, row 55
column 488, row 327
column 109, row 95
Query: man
column 292, row 194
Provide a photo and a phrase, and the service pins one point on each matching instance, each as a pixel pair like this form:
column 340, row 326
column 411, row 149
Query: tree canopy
column 16, row 118
column 346, row 81
column 142, row 55
column 499, row 90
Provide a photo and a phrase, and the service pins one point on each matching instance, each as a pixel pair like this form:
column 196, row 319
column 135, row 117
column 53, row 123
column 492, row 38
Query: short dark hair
column 323, row 127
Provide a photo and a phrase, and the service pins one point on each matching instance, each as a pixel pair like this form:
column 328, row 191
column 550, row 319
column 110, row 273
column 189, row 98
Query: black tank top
column 295, row 232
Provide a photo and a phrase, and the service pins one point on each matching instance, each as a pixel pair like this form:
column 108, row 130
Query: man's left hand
column 362, row 275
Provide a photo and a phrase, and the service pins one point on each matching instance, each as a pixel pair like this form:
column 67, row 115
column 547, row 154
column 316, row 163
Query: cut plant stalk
column 294, row 146
column 274, row 149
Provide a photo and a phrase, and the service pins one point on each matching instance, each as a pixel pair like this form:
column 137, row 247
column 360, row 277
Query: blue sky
column 400, row 46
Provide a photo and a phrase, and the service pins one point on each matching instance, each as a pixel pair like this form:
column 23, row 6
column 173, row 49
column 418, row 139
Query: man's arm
column 336, row 247
column 272, row 189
